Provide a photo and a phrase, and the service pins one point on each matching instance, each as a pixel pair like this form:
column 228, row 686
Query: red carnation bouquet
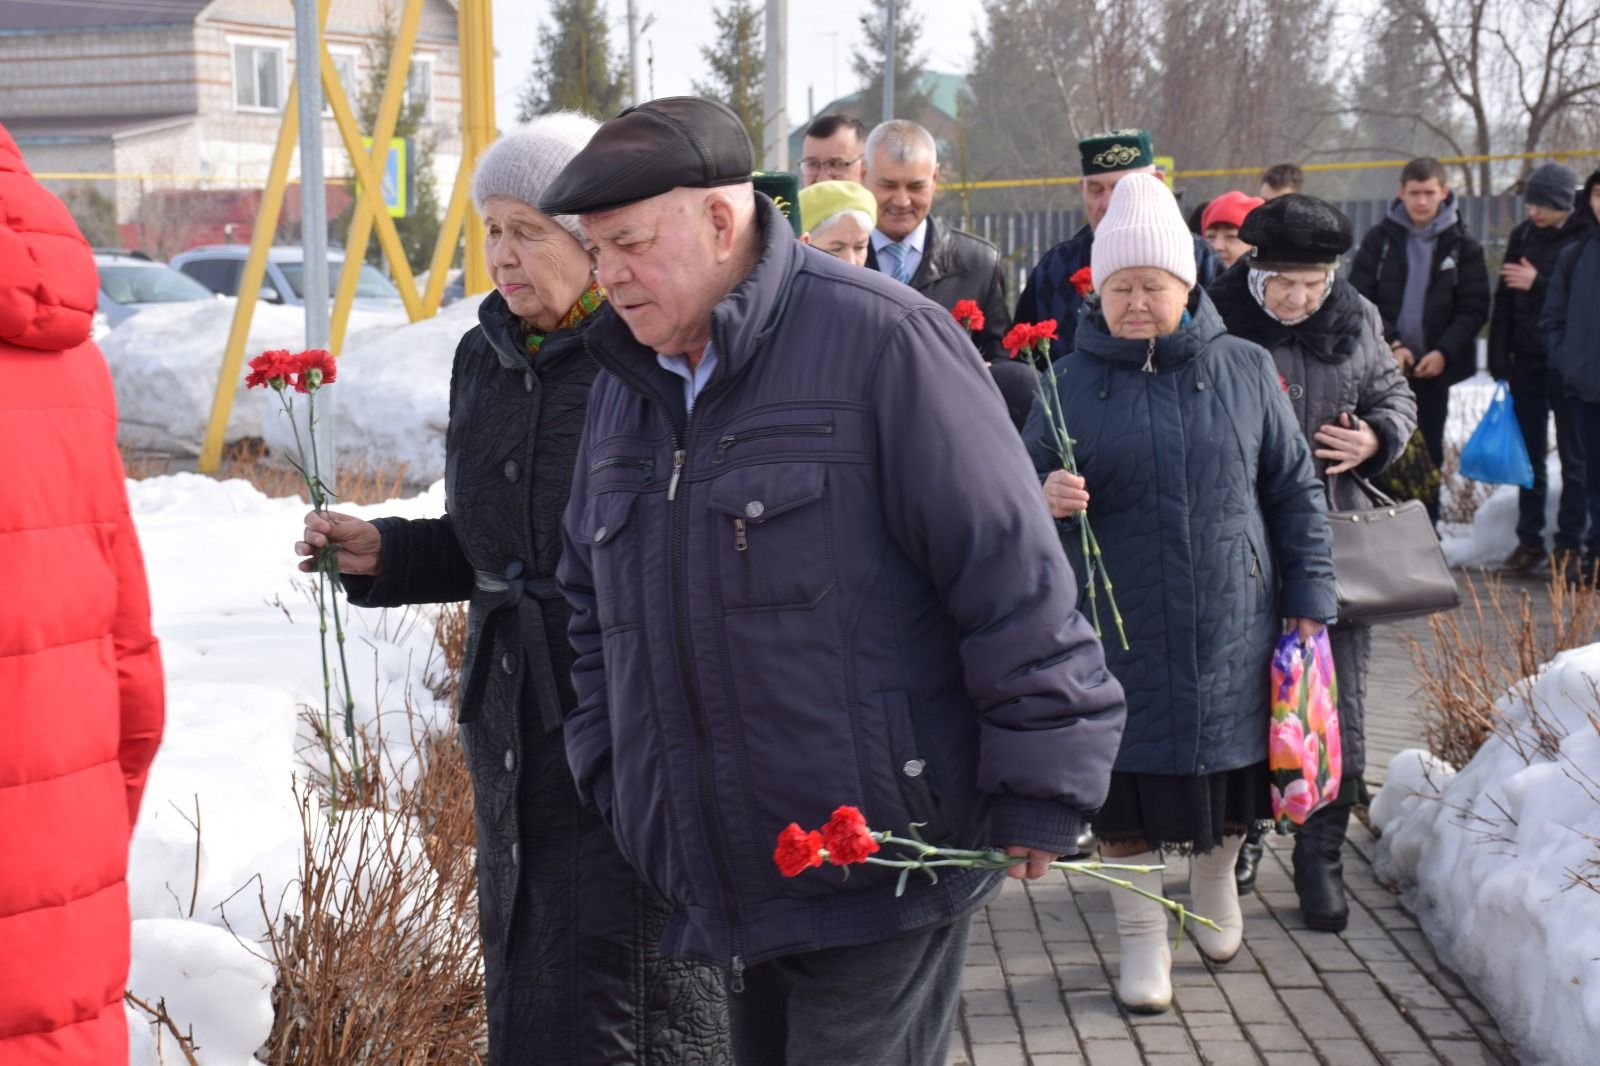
column 846, row 840
column 306, row 373
column 1032, row 340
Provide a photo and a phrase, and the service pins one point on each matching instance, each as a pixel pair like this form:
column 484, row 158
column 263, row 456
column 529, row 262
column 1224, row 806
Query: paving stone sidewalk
column 1037, row 990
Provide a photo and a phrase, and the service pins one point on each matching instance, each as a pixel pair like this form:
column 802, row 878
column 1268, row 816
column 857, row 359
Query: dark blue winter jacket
column 1570, row 321
column 1212, row 526
column 835, row 583
column 1050, row 293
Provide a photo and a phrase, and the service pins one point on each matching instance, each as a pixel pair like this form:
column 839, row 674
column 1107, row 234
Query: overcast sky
column 822, row 35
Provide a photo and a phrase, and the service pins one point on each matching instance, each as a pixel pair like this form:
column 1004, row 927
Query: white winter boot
column 1144, row 982
column 1215, row 895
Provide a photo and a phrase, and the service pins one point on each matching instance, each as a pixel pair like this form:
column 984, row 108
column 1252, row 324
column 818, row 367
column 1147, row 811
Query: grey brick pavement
column 1038, row 981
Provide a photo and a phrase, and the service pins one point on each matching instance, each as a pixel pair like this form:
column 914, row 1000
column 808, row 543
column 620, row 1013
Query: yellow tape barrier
column 1223, row 172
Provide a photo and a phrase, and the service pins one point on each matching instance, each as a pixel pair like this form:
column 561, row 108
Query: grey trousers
column 891, row 1003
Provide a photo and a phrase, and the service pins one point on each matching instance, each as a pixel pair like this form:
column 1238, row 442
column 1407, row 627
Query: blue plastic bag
column 1496, row 453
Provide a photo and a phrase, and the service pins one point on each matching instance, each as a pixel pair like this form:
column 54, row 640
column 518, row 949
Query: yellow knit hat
column 822, row 201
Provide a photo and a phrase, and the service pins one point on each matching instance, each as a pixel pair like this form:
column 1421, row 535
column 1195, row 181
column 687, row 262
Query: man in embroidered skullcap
column 1051, row 291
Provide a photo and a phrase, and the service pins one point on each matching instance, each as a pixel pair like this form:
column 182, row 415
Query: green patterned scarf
column 587, row 304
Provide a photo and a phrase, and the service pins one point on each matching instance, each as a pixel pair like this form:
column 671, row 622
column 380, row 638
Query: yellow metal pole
column 477, row 69
column 388, row 115
column 255, row 270
column 449, row 233
column 371, row 182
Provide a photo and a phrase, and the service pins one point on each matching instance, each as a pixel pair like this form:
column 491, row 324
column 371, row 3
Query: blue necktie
column 896, row 253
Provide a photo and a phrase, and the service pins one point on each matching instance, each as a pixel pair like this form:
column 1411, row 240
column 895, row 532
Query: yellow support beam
column 394, row 88
column 255, row 271
column 449, row 233
column 477, row 78
column 372, row 187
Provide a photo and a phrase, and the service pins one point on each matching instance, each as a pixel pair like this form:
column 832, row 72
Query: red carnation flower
column 847, row 837
column 316, row 369
column 1284, row 382
column 273, row 369
column 969, row 314
column 1045, row 331
column 1082, row 280
column 797, row 850
column 1018, row 340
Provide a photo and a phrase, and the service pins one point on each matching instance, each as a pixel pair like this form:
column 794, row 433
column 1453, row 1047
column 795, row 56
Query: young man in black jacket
column 1517, row 355
column 1569, row 325
column 1427, row 276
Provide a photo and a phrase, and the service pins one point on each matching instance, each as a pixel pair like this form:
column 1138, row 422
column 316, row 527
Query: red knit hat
column 1229, row 209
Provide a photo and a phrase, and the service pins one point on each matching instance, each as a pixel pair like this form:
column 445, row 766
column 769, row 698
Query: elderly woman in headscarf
column 569, row 931
column 1357, row 413
column 1202, row 496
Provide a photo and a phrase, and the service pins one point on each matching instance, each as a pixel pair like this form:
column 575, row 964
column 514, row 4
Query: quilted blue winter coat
column 1211, row 523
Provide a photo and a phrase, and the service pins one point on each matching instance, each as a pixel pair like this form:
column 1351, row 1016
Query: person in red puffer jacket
column 81, row 700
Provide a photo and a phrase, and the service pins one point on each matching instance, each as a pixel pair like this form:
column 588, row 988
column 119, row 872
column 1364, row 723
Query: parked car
column 130, row 282
column 218, row 267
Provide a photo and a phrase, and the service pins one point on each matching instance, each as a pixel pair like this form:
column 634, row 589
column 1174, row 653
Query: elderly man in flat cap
column 1052, row 291
column 809, row 568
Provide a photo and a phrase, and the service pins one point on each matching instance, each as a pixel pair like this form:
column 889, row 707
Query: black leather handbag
column 1387, row 562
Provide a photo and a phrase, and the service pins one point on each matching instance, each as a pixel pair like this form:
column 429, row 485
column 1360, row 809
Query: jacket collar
column 1171, row 351
column 740, row 323
column 1332, row 334
column 505, row 333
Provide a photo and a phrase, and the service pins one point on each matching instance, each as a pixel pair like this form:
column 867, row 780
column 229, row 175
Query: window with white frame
column 419, row 86
column 344, row 61
column 258, row 76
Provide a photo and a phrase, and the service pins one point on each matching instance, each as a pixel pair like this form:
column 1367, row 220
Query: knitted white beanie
column 1142, row 228
column 523, row 163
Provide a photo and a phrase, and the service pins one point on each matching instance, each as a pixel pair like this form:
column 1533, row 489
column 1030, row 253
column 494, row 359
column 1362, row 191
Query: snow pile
column 165, row 362
column 391, row 404
column 239, row 641
column 1485, row 859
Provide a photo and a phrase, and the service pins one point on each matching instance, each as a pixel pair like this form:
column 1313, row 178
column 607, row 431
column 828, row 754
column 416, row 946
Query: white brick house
column 193, row 88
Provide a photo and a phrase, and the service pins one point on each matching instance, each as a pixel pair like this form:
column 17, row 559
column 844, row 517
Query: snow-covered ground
column 392, row 401
column 239, row 640
column 1486, row 860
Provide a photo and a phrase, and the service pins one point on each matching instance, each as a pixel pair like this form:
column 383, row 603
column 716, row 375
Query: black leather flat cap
column 655, row 147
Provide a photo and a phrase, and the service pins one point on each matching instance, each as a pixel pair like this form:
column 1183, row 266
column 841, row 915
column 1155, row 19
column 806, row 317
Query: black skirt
column 1184, row 814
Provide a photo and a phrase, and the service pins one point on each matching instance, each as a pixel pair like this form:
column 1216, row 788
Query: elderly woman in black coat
column 569, row 931
column 1357, row 413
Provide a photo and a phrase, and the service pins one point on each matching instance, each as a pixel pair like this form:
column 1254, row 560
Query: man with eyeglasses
column 916, row 249
column 833, row 150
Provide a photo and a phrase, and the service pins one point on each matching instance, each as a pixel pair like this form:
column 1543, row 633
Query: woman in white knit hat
column 569, row 931
column 1200, row 488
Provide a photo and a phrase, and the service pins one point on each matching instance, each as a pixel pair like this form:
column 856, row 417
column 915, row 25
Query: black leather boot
column 1244, row 871
column 1319, row 870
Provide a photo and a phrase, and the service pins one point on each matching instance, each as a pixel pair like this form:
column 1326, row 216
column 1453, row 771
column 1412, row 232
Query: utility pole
column 636, row 82
column 888, row 60
column 775, row 94
column 314, row 204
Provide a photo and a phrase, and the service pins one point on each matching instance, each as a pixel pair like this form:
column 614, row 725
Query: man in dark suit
column 944, row 264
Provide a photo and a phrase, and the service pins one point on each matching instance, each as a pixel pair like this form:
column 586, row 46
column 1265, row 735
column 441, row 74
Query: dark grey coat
column 1333, row 363
column 568, row 929
column 834, row 583
column 1211, row 522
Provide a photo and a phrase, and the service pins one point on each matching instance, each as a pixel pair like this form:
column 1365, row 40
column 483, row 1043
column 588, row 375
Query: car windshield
column 371, row 283
column 150, row 285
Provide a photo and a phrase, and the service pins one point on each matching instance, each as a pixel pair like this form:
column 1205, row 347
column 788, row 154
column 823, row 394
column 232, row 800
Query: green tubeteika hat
column 1116, row 150
column 784, row 190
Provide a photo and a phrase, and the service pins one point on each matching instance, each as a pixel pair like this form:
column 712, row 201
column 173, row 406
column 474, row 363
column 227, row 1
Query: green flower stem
column 328, row 564
column 322, row 618
column 930, row 855
column 1055, row 414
